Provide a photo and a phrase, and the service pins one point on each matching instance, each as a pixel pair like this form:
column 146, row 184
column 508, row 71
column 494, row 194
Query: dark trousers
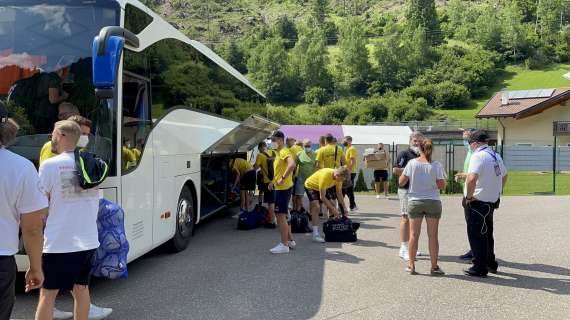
column 479, row 218
column 350, row 191
column 8, row 271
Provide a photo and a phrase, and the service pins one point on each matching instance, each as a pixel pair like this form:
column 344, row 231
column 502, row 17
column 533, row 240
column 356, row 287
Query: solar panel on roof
column 529, row 94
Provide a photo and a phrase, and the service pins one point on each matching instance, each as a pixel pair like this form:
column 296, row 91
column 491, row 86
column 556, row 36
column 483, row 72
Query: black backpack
column 270, row 169
column 23, row 92
column 342, row 230
column 91, row 170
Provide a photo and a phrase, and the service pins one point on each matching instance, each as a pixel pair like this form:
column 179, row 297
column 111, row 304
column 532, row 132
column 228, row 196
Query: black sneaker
column 467, row 256
column 474, row 273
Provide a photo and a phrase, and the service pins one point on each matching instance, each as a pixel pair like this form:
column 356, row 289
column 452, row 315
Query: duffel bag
column 249, row 220
column 342, row 230
column 300, row 222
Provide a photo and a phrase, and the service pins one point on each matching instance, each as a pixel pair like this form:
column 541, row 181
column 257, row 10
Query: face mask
column 415, row 149
column 345, row 144
column 83, row 141
column 466, row 144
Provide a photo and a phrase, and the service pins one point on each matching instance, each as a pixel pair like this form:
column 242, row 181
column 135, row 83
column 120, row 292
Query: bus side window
column 137, row 122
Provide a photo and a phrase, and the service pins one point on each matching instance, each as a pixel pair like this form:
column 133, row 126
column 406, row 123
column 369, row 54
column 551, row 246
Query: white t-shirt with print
column 489, row 182
column 71, row 225
column 19, row 194
column 423, row 177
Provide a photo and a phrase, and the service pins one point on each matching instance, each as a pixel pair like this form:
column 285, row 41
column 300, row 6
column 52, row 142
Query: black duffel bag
column 300, row 222
column 342, row 230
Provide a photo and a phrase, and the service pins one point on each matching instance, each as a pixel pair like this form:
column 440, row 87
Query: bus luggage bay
column 159, row 127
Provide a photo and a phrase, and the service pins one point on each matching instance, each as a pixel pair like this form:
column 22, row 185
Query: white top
column 423, row 177
column 490, row 182
column 72, row 221
column 19, row 194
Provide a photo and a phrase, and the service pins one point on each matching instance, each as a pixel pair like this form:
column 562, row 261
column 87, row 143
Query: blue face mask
column 466, row 145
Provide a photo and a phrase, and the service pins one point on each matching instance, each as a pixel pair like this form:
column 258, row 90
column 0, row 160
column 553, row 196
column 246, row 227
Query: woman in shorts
column 426, row 179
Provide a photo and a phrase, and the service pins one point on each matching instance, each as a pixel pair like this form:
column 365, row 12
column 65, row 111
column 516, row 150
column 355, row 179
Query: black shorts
column 380, row 175
column 331, row 193
column 314, row 195
column 64, row 270
column 282, row 199
column 8, row 271
column 268, row 196
column 247, row 181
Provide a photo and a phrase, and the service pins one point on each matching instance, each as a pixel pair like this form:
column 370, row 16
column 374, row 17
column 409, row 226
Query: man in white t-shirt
column 70, row 236
column 486, row 178
column 22, row 204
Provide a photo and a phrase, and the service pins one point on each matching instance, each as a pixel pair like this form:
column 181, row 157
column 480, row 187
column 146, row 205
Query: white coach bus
column 154, row 97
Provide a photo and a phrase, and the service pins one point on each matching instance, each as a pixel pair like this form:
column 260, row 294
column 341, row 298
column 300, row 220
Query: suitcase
column 343, row 230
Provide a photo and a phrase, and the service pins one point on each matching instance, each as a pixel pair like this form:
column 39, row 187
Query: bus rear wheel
column 185, row 220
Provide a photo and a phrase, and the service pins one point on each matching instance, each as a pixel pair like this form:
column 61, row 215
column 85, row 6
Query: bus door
column 137, row 162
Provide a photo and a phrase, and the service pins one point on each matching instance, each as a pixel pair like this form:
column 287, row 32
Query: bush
column 450, row 95
column 393, row 187
column 360, row 184
column 316, row 95
column 453, row 186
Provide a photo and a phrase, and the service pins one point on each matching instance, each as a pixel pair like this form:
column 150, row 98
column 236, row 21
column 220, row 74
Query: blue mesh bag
column 110, row 259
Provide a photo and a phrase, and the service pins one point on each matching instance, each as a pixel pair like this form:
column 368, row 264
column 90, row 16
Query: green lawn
column 526, row 182
column 516, row 78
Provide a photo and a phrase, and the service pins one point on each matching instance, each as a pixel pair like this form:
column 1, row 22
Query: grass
column 515, row 78
column 521, row 183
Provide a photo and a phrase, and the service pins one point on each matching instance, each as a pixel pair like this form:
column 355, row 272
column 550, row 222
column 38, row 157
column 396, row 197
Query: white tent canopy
column 369, row 135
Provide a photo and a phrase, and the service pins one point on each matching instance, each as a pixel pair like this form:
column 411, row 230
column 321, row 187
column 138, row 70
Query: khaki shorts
column 424, row 208
column 403, row 196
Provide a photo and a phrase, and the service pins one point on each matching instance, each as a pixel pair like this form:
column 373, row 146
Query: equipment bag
column 110, row 259
column 249, row 220
column 300, row 222
column 263, row 212
column 91, row 169
column 343, row 230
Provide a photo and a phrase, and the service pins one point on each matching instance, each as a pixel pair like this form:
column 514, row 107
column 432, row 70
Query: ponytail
column 427, row 149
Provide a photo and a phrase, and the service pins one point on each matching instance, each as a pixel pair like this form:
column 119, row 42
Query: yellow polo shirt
column 351, row 154
column 280, row 166
column 322, row 179
column 326, row 156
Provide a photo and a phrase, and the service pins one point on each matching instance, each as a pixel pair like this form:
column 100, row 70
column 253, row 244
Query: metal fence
column 445, row 125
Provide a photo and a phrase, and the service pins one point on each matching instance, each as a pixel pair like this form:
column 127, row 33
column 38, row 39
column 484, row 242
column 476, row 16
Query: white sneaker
column 404, row 254
column 377, row 196
column 58, row 314
column 318, row 238
column 280, row 248
column 353, row 209
column 292, row 244
column 97, row 313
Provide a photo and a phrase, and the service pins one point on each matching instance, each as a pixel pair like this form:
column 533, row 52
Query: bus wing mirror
column 107, row 51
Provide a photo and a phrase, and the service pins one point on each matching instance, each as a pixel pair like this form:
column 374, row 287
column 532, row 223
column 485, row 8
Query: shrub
column 360, row 184
column 316, row 95
column 450, row 95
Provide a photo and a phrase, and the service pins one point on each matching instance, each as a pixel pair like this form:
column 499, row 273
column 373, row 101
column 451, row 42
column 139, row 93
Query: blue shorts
column 268, row 196
column 282, row 199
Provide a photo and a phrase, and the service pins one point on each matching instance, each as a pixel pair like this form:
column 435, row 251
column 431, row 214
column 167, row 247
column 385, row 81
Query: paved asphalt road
column 230, row 274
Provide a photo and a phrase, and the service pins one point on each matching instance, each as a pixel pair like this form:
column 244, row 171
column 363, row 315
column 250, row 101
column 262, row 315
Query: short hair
column 290, row 139
column 307, row 141
column 299, row 142
column 69, row 129
column 8, row 132
column 261, row 145
column 417, row 135
column 342, row 172
column 68, row 108
column 82, row 121
column 322, row 139
column 348, row 138
column 329, row 138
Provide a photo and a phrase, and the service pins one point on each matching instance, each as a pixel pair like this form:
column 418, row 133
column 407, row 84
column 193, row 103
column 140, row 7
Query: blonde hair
column 69, row 129
column 342, row 172
column 426, row 147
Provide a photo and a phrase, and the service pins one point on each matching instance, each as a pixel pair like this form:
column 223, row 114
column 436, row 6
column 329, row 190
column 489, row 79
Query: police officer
column 22, row 204
column 486, row 178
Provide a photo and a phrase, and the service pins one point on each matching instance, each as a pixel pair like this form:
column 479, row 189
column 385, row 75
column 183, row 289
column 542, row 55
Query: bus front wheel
column 185, row 220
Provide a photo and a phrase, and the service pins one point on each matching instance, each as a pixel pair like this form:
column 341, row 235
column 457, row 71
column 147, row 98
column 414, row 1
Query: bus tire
column 185, row 220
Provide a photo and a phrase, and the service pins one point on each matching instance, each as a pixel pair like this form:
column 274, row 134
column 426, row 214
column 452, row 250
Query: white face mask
column 83, row 141
column 308, row 149
column 415, row 149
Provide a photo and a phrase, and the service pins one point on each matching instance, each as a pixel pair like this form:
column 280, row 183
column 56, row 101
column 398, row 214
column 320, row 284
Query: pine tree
column 234, row 55
column 422, row 14
column 319, row 9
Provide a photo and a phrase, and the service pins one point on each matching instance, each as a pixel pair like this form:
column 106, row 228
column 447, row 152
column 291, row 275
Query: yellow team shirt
column 295, row 150
column 261, row 162
column 279, row 168
column 351, row 154
column 241, row 165
column 326, row 155
column 46, row 153
column 322, row 179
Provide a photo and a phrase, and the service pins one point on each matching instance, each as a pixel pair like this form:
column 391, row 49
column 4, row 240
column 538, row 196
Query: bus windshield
column 45, row 62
